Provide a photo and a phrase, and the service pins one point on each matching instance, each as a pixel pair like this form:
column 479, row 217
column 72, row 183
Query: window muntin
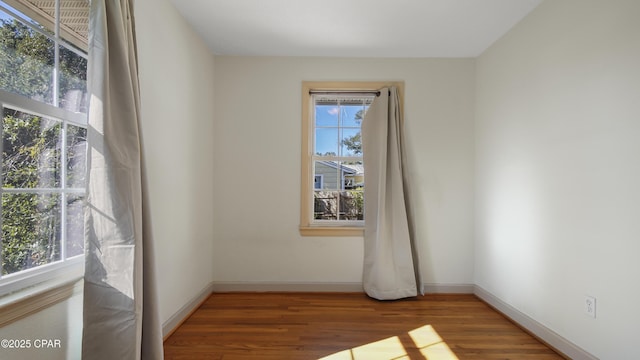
column 43, row 99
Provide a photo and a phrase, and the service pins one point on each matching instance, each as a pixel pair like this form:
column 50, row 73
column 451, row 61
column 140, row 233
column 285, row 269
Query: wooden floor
column 336, row 326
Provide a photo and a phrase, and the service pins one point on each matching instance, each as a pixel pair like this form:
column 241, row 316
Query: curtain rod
column 345, row 92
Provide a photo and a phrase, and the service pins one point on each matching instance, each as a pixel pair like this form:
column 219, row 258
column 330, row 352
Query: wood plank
column 337, row 326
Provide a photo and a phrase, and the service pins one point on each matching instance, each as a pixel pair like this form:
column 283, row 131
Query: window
column 333, row 174
column 317, row 182
column 337, row 157
column 43, row 97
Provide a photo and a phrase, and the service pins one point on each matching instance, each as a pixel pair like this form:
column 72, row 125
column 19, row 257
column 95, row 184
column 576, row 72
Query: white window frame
column 30, row 290
column 309, row 226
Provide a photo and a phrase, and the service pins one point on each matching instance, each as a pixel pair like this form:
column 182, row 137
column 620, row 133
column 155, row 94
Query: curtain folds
column 121, row 319
column 391, row 269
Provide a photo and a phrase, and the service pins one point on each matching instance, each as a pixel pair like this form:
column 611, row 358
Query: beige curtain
column 391, row 269
column 121, row 318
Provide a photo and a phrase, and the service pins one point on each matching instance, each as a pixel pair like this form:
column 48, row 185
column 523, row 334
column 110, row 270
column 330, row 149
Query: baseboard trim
column 448, row 288
column 550, row 337
column 269, row 286
column 183, row 314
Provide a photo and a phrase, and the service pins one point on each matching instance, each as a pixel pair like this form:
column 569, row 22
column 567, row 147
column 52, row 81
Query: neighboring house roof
column 351, row 169
column 358, row 169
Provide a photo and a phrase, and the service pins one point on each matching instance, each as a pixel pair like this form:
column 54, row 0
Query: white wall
column 257, row 162
column 61, row 322
column 557, row 169
column 176, row 80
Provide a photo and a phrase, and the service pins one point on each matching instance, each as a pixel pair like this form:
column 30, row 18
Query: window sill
column 23, row 303
column 331, row 231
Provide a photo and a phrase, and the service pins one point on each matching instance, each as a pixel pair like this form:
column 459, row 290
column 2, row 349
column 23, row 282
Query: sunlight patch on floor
column 425, row 339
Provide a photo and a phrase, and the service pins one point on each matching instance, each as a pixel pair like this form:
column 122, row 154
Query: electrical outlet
column 590, row 306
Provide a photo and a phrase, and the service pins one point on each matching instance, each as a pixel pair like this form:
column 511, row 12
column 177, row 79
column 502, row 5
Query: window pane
column 26, row 60
column 30, row 230
column 352, row 115
column 351, row 142
column 76, row 156
column 327, row 115
column 325, row 204
column 353, row 176
column 352, row 205
column 30, row 151
column 73, row 81
column 75, row 225
column 329, row 171
column 326, row 141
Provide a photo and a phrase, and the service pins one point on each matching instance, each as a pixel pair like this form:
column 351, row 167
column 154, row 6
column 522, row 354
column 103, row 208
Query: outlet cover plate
column 590, row 306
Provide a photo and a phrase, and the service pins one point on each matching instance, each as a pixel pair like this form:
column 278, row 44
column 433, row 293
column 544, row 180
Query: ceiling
column 353, row 28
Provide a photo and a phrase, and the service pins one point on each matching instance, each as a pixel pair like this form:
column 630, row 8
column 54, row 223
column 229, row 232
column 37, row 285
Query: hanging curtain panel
column 391, row 268
column 121, row 318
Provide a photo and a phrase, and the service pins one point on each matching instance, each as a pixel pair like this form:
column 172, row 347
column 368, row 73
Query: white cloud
column 334, row 111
